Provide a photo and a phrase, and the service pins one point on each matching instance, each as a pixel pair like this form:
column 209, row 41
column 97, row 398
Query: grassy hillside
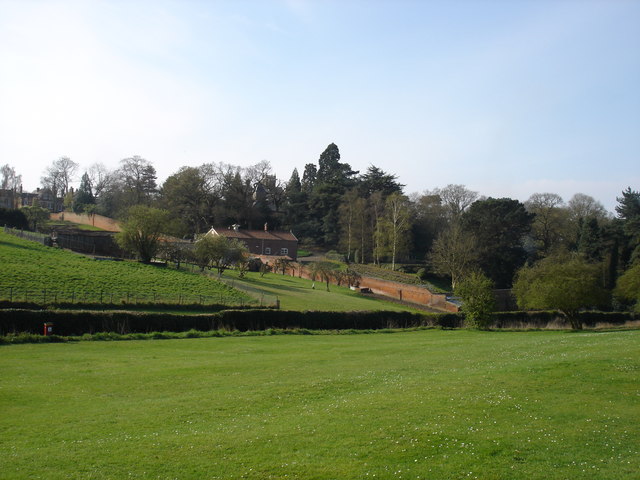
column 430, row 404
column 296, row 294
column 35, row 268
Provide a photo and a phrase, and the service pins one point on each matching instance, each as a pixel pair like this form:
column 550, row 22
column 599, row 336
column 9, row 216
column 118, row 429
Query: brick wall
column 401, row 291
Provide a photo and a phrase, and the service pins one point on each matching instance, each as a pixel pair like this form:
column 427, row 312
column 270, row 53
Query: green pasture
column 429, row 404
column 297, row 293
column 46, row 273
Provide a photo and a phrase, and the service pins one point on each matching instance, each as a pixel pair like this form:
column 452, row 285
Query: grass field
column 421, row 405
column 45, row 272
column 296, row 294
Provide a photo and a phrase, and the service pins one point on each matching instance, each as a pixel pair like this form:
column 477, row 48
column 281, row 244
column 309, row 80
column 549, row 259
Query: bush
column 478, row 302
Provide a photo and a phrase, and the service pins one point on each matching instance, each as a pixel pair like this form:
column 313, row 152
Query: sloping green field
column 297, row 294
column 417, row 405
column 46, row 272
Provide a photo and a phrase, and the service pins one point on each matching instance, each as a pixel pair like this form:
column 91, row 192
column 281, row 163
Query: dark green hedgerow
column 75, row 322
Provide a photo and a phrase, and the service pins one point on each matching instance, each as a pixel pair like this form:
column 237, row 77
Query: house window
column 284, row 251
column 267, row 250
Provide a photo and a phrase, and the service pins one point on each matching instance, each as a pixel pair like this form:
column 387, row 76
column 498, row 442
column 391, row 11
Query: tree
column 58, row 176
column 397, row 225
column 628, row 210
column 478, row 301
column 282, row 264
column 84, row 195
column 376, row 180
column 322, row 270
column 175, row 252
column 455, row 199
column 141, row 231
column 628, row 286
column 428, row 218
column 454, row 253
column 333, row 179
column 549, row 224
column 565, row 283
column 348, row 217
column 14, row 218
column 36, row 216
column 217, row 251
column 187, row 196
column 100, row 178
column 499, row 226
column 11, row 182
column 137, row 177
column 583, row 206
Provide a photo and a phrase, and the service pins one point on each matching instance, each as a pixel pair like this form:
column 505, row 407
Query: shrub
column 478, row 302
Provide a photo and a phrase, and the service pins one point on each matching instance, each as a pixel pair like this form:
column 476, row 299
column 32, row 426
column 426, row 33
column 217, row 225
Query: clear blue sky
column 506, row 97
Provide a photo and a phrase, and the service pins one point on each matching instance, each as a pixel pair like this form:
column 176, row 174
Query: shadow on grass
column 35, row 246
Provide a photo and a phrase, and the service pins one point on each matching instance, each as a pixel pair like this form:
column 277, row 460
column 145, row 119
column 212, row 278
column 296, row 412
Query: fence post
column 11, row 294
column 73, row 296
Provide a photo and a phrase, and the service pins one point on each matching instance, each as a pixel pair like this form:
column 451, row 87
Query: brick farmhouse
column 262, row 242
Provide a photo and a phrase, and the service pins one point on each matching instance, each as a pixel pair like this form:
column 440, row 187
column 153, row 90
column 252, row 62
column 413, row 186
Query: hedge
column 80, row 322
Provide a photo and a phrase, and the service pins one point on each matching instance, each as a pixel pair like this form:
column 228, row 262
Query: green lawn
column 429, row 404
column 296, row 294
column 47, row 273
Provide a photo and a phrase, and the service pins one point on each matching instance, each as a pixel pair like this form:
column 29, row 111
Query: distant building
column 45, row 199
column 9, row 199
column 262, row 242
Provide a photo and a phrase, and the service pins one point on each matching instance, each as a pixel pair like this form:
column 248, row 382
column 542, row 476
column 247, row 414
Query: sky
column 508, row 98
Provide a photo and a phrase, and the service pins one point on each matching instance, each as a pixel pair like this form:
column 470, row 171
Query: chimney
column 266, row 227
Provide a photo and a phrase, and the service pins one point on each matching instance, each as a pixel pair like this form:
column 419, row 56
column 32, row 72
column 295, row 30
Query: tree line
column 365, row 216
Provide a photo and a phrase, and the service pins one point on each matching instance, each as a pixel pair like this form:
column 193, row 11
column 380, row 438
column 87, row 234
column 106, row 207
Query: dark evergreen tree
column 590, row 241
column 376, row 180
column 309, row 178
column 84, row 195
column 332, row 181
column 499, row 226
column 628, row 210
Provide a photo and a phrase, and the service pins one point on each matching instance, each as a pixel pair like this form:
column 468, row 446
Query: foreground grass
column 29, row 266
column 428, row 404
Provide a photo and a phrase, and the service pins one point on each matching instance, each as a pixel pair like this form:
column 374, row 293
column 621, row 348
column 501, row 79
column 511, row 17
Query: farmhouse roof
column 254, row 234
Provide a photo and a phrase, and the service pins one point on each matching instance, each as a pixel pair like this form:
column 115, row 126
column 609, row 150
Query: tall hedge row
column 79, row 322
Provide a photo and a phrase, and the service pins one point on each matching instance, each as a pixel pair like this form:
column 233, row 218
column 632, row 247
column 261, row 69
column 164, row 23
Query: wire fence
column 48, row 296
column 33, row 236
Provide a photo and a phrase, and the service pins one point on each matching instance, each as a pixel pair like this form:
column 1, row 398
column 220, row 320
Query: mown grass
column 427, row 404
column 38, row 269
column 297, row 294
column 79, row 226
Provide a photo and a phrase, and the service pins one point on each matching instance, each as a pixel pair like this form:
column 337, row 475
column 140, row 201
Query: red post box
column 48, row 329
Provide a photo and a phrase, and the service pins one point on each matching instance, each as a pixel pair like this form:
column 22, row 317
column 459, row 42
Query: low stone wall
column 105, row 223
